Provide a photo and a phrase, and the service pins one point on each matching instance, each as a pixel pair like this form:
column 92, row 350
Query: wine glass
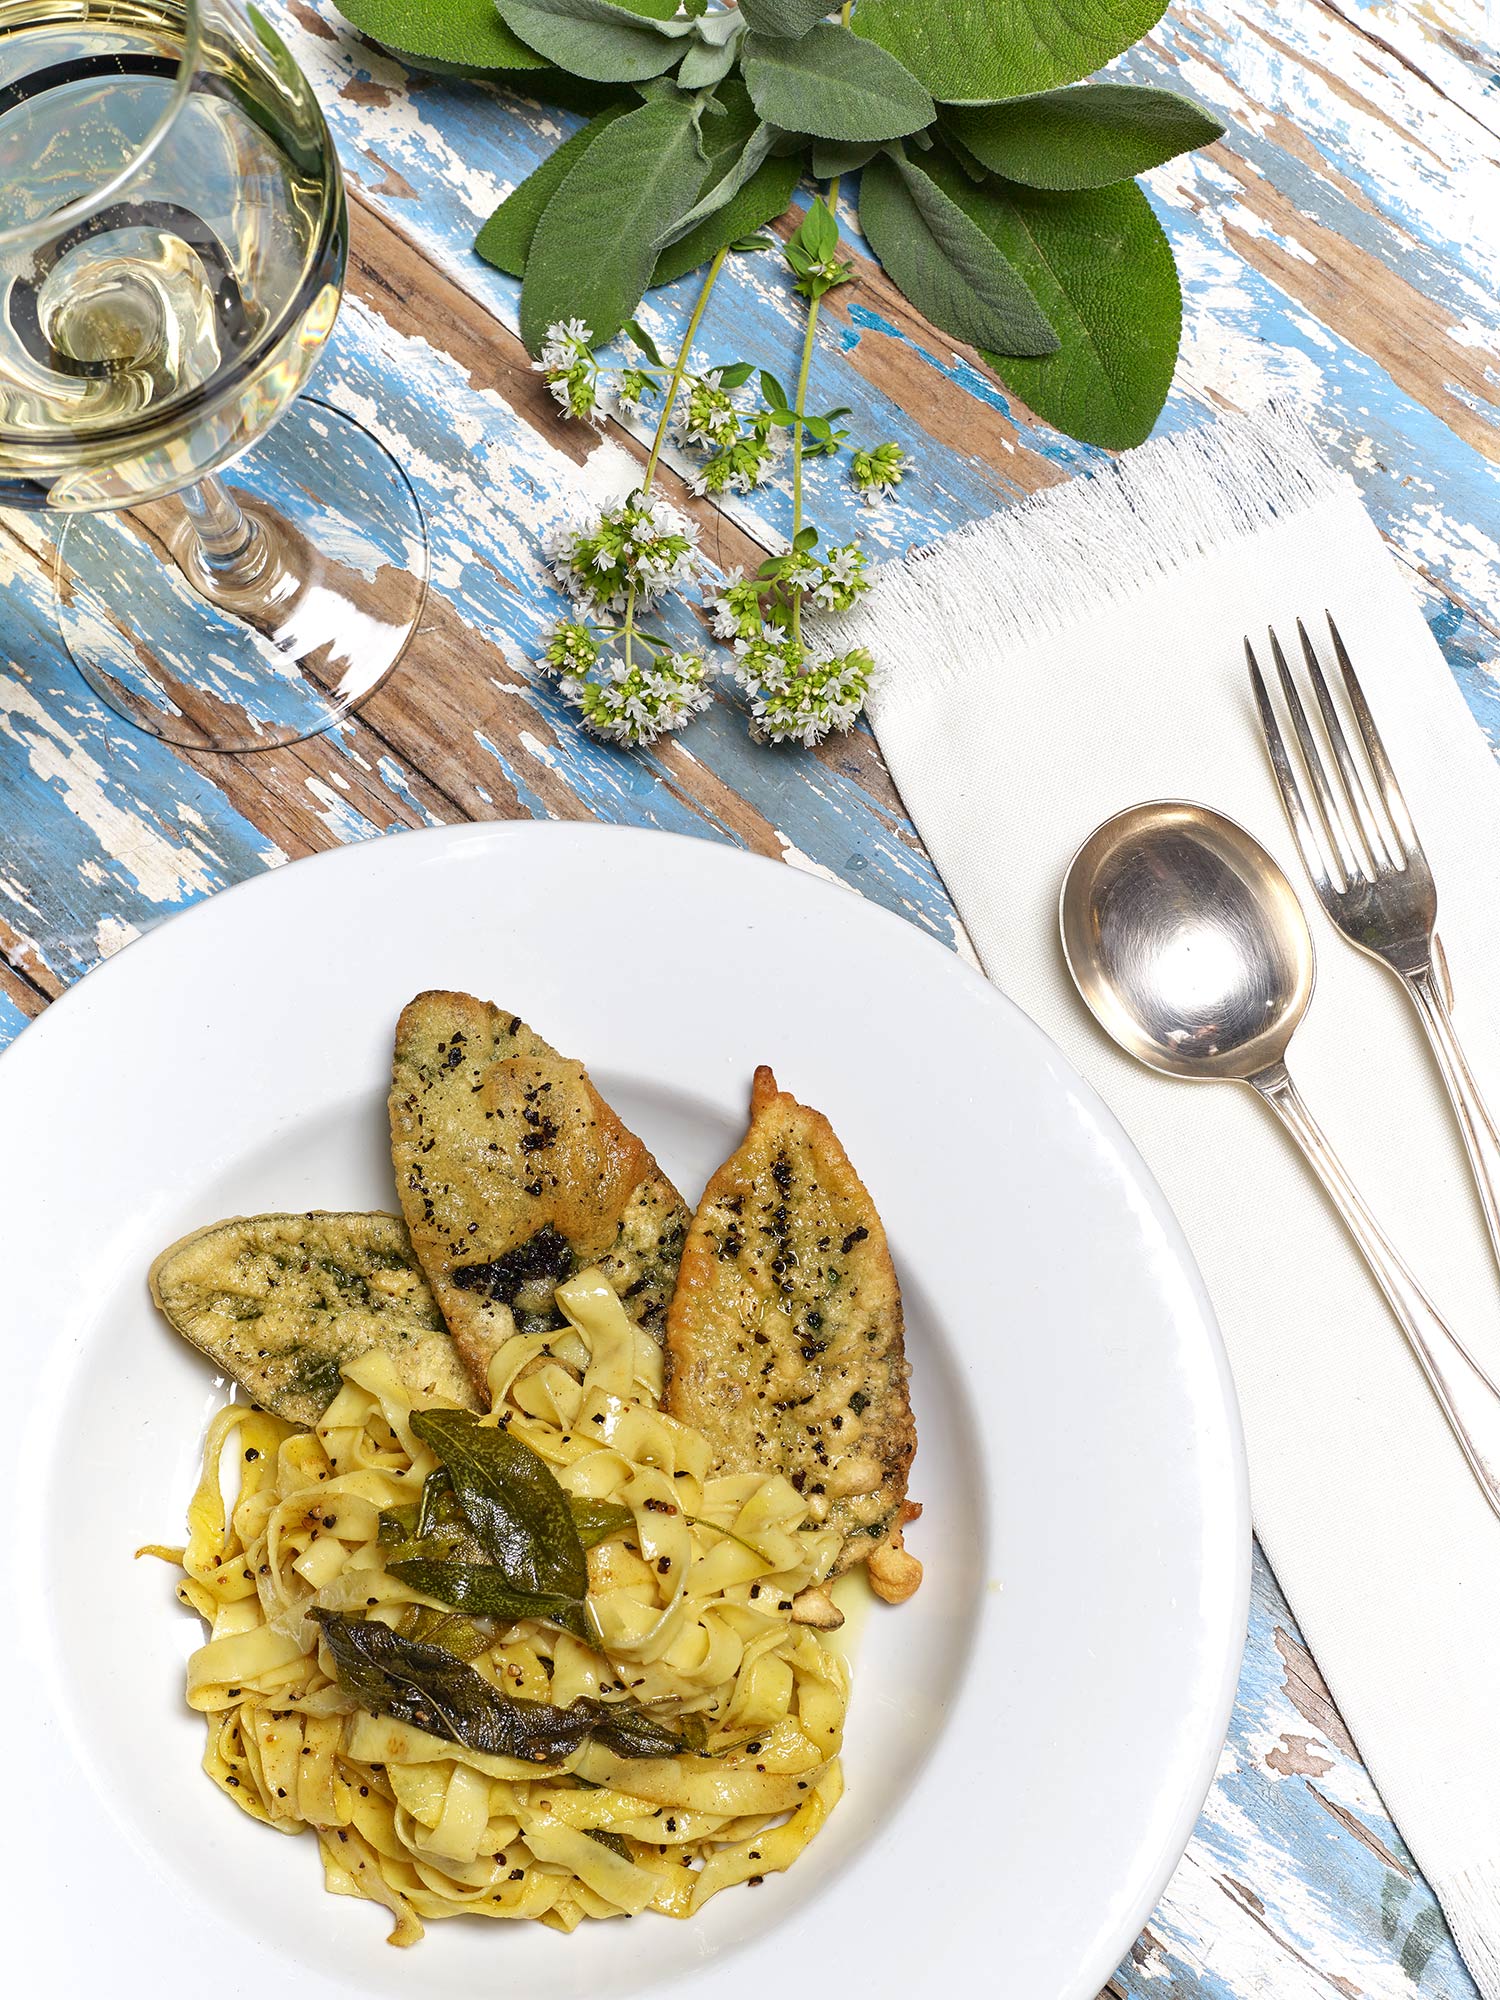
column 173, row 236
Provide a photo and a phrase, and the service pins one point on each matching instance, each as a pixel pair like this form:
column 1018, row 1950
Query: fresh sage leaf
column 716, row 29
column 511, row 1500
column 1100, row 266
column 1084, row 137
column 830, row 160
column 784, row 17
column 465, row 34
column 482, row 1591
column 706, row 64
column 505, row 240
column 975, row 169
column 767, row 194
column 600, row 39
column 741, row 188
column 652, row 353
column 596, row 246
column 975, row 51
column 946, row 264
column 597, row 1520
column 730, row 169
column 831, row 85
column 615, row 1842
column 429, row 1688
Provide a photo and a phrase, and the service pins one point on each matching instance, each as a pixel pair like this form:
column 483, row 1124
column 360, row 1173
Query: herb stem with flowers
column 631, row 683
column 998, row 190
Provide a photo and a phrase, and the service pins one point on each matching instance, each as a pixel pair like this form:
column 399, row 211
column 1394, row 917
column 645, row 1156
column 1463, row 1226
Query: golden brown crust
column 894, row 1570
column 281, row 1302
column 513, row 1171
column 784, row 1341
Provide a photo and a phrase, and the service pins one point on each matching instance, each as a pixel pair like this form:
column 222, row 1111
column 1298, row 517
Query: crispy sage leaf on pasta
column 482, row 1591
column 430, row 1689
column 515, row 1507
column 597, row 1520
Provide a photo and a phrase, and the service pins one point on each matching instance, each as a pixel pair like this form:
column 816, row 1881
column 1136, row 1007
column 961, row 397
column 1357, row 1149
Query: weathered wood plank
column 1296, row 1885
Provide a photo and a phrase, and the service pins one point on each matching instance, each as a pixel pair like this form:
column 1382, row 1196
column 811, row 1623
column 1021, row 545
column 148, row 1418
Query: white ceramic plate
column 1030, row 1738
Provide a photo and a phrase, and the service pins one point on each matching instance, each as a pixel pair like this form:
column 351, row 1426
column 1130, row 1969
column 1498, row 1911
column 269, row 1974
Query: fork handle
column 1474, row 1121
column 1468, row 1398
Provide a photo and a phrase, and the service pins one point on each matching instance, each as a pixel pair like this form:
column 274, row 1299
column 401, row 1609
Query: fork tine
column 1291, row 796
column 1340, row 837
column 1385, row 778
column 1378, row 842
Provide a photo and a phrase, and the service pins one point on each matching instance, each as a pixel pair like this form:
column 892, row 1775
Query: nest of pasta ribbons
column 535, row 1664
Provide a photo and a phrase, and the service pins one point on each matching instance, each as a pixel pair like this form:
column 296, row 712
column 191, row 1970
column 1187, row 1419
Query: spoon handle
column 1468, row 1398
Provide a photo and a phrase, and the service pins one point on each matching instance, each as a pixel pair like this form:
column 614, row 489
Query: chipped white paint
column 112, row 934
column 338, row 815
column 163, row 872
column 793, row 856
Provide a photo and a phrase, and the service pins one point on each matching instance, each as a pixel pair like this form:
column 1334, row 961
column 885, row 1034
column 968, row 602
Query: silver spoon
column 1187, row 943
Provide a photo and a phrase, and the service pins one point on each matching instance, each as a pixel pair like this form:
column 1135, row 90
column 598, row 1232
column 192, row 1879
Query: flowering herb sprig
column 632, row 683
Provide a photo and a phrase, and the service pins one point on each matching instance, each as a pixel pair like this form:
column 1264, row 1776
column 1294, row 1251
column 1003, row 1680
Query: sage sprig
column 1053, row 267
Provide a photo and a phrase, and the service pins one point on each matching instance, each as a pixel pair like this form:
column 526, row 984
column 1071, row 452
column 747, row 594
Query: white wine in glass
column 173, row 236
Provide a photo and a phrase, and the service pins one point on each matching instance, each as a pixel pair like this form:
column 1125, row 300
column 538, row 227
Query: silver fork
column 1372, row 876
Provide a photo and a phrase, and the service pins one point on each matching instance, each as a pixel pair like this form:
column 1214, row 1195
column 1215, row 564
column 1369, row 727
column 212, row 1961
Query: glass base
column 285, row 643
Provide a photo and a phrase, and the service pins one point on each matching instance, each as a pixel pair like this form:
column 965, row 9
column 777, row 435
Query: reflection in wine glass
column 173, row 237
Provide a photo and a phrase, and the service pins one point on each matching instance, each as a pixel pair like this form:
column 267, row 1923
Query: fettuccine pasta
column 691, row 1604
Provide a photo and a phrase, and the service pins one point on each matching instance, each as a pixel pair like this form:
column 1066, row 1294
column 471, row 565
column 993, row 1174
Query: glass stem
column 231, row 545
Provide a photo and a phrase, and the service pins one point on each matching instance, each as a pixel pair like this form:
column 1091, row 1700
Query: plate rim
column 40, row 1034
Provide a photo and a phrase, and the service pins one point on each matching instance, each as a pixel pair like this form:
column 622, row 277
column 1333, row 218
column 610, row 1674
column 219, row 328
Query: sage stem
column 800, row 411
column 680, row 369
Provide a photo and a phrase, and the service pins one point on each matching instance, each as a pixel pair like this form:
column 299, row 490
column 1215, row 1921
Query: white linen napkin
column 1079, row 653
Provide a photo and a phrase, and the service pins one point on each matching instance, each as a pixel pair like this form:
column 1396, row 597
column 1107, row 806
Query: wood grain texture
column 1339, row 246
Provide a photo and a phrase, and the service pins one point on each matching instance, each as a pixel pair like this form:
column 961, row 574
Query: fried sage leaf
column 519, row 1514
column 429, row 1688
column 397, row 1525
column 481, row 1590
column 401, row 1529
column 597, row 1520
column 281, row 1302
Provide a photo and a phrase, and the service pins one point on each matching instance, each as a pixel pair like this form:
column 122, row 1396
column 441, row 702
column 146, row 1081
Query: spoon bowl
column 1187, row 942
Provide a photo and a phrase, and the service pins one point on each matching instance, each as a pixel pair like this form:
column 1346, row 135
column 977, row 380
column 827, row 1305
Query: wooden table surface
column 1339, row 246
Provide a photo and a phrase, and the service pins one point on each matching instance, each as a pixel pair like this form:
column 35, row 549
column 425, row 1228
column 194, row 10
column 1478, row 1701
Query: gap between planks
column 1414, row 68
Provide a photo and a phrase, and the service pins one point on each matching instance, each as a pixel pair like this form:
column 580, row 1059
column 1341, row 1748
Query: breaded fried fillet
column 513, row 1172
column 784, row 1341
column 281, row 1302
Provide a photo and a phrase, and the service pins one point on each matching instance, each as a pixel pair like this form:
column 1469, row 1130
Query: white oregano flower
column 568, row 367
